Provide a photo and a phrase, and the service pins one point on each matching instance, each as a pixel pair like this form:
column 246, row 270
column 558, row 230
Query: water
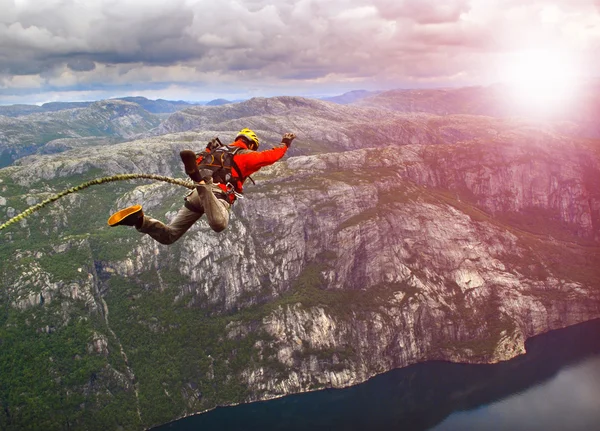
column 555, row 386
column 569, row 401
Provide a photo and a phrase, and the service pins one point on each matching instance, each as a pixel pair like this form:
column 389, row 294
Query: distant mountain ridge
column 28, row 128
column 337, row 127
column 158, row 106
column 61, row 106
column 438, row 101
column 351, row 96
column 580, row 108
column 218, row 102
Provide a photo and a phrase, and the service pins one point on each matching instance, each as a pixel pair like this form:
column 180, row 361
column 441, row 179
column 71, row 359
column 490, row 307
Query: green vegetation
column 65, row 266
column 170, row 345
column 50, row 380
column 52, row 377
column 9, row 189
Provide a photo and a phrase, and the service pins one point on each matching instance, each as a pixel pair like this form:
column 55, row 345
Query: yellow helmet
column 250, row 136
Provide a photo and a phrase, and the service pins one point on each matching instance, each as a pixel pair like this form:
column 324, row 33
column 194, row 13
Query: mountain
column 159, row 106
column 443, row 101
column 350, row 97
column 115, row 120
column 218, row 102
column 382, row 239
column 576, row 114
column 17, row 110
column 327, row 126
column 61, row 106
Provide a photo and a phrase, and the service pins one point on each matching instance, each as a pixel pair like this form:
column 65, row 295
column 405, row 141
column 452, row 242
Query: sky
column 199, row 50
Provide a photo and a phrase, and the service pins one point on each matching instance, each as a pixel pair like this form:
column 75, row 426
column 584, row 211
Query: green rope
column 122, row 177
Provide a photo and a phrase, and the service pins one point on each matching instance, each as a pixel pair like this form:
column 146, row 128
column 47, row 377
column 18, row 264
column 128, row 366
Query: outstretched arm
column 252, row 162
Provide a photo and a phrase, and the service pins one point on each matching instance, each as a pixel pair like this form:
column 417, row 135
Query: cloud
column 103, row 31
column 274, row 45
column 423, row 11
column 81, row 65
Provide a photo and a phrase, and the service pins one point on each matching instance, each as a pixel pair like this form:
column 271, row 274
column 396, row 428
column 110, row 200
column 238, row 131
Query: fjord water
column 555, row 386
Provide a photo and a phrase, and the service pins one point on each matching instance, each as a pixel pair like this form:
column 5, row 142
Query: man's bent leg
column 168, row 234
column 217, row 210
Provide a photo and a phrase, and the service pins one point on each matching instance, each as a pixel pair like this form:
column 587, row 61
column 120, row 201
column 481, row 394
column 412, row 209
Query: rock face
column 457, row 239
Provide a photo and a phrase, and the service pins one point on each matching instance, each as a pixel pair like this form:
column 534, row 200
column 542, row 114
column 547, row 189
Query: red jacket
column 250, row 161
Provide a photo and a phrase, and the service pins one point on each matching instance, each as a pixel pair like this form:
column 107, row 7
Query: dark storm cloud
column 40, row 35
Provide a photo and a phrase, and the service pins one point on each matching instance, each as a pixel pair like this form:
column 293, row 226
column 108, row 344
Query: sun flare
column 543, row 80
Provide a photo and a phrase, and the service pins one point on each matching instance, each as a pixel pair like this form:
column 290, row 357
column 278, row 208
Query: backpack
column 218, row 158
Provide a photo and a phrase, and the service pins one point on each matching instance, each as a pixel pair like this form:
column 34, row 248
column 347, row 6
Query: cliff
column 455, row 238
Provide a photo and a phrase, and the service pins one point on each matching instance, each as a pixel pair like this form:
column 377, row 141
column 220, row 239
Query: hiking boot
column 130, row 216
column 188, row 157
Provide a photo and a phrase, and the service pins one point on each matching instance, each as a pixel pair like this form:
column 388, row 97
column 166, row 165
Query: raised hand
column 287, row 139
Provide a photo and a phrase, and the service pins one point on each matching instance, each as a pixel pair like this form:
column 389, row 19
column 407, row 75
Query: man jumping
column 219, row 177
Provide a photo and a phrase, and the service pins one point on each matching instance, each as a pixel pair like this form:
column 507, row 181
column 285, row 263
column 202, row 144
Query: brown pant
column 203, row 200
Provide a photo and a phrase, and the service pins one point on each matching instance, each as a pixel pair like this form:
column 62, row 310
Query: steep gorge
column 457, row 239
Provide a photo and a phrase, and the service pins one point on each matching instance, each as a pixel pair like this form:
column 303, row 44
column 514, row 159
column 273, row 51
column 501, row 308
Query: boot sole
column 119, row 217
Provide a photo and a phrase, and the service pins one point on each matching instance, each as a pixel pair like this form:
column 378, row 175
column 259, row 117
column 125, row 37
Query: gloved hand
column 287, row 139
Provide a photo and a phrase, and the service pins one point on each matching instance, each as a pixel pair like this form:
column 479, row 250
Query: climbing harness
column 218, row 159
